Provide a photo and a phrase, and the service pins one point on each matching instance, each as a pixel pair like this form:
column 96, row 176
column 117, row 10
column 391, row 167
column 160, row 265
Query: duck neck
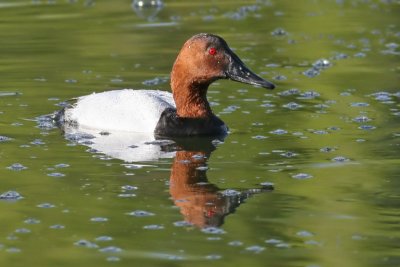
column 190, row 97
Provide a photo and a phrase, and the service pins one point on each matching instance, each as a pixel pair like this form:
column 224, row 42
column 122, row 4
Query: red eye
column 212, row 51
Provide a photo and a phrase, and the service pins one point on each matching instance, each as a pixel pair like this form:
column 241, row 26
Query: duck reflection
column 201, row 203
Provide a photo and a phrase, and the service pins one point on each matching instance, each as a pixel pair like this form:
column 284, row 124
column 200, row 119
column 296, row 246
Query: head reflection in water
column 201, row 203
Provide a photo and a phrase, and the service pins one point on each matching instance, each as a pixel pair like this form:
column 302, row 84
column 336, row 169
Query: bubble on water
column 290, row 92
column 282, row 245
column 213, row 257
column 62, row 165
column 280, row 78
column 13, row 250
column 78, row 137
column 312, row 243
column 279, row 132
column 267, row 105
column 11, row 195
column 182, row 224
column 38, row 142
column 311, row 72
column 327, row 149
column 56, row 174
column 255, row 249
column 140, row 213
column 322, row 63
column 340, row 159
column 71, row 81
column 273, row 241
column 113, row 258
column 45, row 205
column 288, row 154
column 357, row 237
column 116, row 80
column 99, row 219
column 32, row 221
column 361, row 119
column 302, row 176
column 309, row 95
column 124, row 195
column 259, row 137
column 57, row 226
column 367, row 127
column 104, row 238
column 320, row 132
column 345, row 94
column 382, row 96
column 22, row 231
column 110, row 249
column 17, row 167
column 129, row 187
column 339, row 56
column 292, row 106
column 155, row 81
column 213, row 230
column 304, row 233
column 5, row 138
column 235, row 243
column 279, row 32
column 360, row 55
column 359, row 104
column 153, row 227
column 85, row 243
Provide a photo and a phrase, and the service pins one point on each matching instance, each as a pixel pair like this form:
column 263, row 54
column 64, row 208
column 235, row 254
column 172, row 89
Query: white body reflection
column 126, row 146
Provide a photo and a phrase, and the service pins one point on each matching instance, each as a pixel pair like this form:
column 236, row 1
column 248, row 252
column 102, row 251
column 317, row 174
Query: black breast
column 170, row 124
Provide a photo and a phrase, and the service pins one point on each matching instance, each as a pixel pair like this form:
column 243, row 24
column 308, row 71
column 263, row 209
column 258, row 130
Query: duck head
column 203, row 59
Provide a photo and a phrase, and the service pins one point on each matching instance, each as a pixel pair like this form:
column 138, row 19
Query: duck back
column 119, row 110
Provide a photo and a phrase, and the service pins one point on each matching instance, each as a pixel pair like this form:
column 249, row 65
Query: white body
column 121, row 110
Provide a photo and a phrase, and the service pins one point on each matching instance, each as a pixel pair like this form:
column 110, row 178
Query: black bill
column 237, row 71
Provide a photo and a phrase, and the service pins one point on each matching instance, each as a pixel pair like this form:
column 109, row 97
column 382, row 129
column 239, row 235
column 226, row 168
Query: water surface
column 308, row 175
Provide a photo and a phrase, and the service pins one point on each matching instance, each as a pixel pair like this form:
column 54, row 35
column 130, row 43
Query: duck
column 183, row 112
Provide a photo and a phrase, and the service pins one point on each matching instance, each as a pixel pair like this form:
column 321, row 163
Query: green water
column 332, row 154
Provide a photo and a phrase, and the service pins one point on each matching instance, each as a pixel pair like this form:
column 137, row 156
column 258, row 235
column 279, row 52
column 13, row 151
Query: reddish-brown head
column 203, row 59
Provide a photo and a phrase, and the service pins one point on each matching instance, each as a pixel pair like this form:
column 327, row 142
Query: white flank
column 121, row 110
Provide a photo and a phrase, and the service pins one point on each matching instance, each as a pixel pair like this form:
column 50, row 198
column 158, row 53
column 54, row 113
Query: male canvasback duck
column 203, row 59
